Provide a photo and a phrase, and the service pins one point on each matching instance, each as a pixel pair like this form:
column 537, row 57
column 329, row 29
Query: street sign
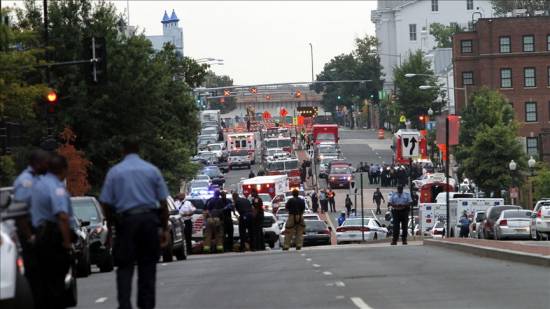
column 283, row 112
column 430, row 125
column 253, row 90
column 410, row 145
column 266, row 115
column 402, row 119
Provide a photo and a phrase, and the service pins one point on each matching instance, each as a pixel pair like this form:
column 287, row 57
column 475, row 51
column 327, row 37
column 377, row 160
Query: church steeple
column 174, row 18
column 165, row 18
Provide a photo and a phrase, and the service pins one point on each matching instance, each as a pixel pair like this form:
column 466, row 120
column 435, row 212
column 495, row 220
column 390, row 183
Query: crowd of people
column 391, row 175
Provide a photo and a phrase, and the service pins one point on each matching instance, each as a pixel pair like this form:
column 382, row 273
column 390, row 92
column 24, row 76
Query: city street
column 372, row 276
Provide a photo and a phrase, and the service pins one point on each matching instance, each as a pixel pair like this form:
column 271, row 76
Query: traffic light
column 339, row 97
column 97, row 54
column 51, row 100
column 374, row 96
column 421, row 118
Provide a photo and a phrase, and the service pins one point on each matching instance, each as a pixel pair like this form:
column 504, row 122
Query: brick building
column 511, row 55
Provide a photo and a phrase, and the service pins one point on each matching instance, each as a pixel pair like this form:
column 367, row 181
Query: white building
column 402, row 27
column 171, row 32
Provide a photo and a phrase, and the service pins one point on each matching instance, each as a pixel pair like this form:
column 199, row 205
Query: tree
column 77, row 175
column 413, row 101
column 486, row 108
column 362, row 63
column 502, row 7
column 213, row 81
column 541, row 182
column 443, row 35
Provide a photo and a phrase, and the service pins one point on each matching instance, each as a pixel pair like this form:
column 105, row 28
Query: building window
column 548, row 42
column 412, row 32
column 548, row 77
column 466, row 46
column 505, row 78
column 529, row 77
column 528, row 43
column 469, row 4
column 467, row 78
column 532, row 144
column 530, row 111
column 435, row 5
column 505, row 44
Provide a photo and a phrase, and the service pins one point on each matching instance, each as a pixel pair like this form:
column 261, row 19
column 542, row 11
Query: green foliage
column 502, row 7
column 213, row 81
column 443, row 35
column 8, row 170
column 362, row 64
column 486, row 108
column 144, row 94
column 413, row 101
column 541, row 182
column 493, row 149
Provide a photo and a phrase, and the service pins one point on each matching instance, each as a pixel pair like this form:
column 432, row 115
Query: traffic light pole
column 362, row 212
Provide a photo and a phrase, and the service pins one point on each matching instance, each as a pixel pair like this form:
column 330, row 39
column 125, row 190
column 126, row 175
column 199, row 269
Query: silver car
column 540, row 220
column 513, row 223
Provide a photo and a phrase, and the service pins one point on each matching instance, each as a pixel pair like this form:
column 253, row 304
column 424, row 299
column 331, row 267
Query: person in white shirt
column 186, row 210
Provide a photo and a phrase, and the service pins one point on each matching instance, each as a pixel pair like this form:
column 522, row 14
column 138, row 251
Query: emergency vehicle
column 289, row 166
column 325, row 133
column 242, row 141
column 278, row 142
column 430, row 189
column 459, row 206
column 396, row 146
column 272, row 185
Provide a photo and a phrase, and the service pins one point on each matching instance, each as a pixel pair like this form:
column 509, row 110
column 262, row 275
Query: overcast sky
column 261, row 41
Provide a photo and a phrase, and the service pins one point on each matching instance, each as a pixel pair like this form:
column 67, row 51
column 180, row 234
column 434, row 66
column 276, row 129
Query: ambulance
column 287, row 165
column 272, row 185
column 242, row 141
column 459, row 206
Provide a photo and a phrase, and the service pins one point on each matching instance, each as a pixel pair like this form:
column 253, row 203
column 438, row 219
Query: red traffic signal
column 421, row 118
column 51, row 97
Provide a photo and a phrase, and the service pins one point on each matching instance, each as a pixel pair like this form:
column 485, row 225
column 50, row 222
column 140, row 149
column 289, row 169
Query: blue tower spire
column 165, row 18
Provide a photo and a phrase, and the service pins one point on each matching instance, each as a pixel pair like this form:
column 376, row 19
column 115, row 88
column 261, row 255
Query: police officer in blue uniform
column 50, row 214
column 131, row 195
column 22, row 190
column 400, row 202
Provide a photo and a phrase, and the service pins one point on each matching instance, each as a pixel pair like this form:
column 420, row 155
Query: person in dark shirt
column 377, row 198
column 257, row 233
column 244, row 208
column 295, row 225
column 228, row 210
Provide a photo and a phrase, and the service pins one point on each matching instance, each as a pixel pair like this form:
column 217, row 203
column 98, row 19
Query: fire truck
column 278, row 142
column 242, row 141
column 396, row 146
column 325, row 133
column 287, row 165
column 273, row 185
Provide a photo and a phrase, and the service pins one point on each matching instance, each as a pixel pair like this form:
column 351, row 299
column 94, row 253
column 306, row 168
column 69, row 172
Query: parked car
column 540, row 220
column 317, row 233
column 176, row 246
column 271, row 229
column 205, row 158
column 216, row 148
column 198, row 186
column 87, row 209
column 475, row 226
column 215, row 174
column 81, row 247
column 513, row 223
column 323, row 166
column 493, row 213
column 351, row 230
column 239, row 158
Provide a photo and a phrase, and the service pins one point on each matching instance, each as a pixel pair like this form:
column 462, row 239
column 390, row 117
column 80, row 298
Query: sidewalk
column 530, row 252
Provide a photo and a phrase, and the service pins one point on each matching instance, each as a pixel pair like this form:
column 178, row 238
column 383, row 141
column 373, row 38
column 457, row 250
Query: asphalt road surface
column 374, row 276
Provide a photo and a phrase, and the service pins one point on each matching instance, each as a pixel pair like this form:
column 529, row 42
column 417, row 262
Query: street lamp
column 531, row 163
column 427, row 87
column 430, row 112
column 512, row 166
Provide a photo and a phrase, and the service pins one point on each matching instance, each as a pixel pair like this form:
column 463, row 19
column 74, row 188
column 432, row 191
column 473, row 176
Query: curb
column 495, row 253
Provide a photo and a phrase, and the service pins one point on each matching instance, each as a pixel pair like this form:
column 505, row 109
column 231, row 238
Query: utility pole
column 312, row 75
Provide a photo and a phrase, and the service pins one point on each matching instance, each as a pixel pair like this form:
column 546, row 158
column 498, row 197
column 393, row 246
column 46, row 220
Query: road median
column 509, row 251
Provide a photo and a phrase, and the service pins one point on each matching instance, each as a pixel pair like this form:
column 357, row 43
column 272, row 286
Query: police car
column 352, row 230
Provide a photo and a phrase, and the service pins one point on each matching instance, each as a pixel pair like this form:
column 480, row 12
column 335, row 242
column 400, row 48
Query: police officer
column 228, row 210
column 244, row 208
column 377, row 198
column 22, row 190
column 400, row 202
column 51, row 212
column 186, row 210
column 132, row 191
column 295, row 225
column 213, row 215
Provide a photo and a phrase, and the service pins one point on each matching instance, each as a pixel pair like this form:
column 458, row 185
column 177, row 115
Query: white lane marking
column 308, row 259
column 327, row 273
column 360, row 303
column 316, row 265
column 101, row 300
column 340, row 284
column 303, row 254
column 329, row 284
column 340, row 297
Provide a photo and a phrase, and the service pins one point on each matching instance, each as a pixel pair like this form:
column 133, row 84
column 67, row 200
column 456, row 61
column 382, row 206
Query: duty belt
column 137, row 211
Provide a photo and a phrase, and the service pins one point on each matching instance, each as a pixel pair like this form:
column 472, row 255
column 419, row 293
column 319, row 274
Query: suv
column 540, row 220
column 177, row 239
column 239, row 158
column 487, row 227
column 475, row 227
column 87, row 209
